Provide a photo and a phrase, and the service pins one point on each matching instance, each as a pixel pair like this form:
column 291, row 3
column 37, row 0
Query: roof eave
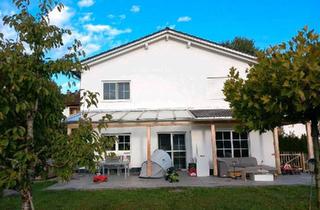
column 161, row 34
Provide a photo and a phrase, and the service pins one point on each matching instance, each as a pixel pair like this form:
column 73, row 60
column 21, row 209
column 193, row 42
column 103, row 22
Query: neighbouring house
column 72, row 103
column 164, row 91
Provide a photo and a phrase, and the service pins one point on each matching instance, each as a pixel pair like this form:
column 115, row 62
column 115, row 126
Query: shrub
column 292, row 143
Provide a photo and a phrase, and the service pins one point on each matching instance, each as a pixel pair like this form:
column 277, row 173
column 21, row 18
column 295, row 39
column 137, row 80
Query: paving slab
column 84, row 182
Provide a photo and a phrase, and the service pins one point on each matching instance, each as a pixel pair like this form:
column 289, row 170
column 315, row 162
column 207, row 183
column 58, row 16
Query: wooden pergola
column 211, row 123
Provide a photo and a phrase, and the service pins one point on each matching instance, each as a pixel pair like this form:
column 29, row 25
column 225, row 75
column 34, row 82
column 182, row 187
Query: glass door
column 175, row 145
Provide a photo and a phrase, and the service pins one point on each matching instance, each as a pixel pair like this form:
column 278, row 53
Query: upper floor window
column 215, row 87
column 116, row 90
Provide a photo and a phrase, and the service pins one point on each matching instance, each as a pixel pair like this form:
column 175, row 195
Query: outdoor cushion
column 231, row 169
column 248, row 162
column 231, row 161
column 100, row 178
column 255, row 169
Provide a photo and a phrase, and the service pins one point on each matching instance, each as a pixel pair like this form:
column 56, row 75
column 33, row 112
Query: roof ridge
column 168, row 29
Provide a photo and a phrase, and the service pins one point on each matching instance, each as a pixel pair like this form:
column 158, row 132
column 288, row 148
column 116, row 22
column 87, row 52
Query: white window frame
column 214, row 92
column 172, row 151
column 231, row 140
column 117, row 143
column 116, row 82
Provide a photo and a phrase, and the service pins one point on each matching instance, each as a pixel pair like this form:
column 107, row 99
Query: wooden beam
column 214, row 150
column 220, row 124
column 276, row 149
column 309, row 141
column 149, row 164
column 70, row 127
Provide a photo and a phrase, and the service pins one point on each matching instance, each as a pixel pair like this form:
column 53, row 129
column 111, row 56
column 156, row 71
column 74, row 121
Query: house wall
column 198, row 142
column 138, row 141
column 166, row 75
column 262, row 147
column 169, row 75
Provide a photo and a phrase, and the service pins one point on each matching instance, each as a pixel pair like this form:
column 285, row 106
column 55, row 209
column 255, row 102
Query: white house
column 164, row 91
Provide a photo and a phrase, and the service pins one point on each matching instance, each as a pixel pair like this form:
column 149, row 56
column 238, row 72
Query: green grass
column 280, row 197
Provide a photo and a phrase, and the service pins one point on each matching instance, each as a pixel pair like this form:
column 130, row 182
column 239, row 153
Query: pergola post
column 214, row 150
column 309, row 141
column 276, row 149
column 149, row 164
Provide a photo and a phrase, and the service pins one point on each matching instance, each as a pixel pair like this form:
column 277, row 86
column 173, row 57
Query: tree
column 32, row 130
column 293, row 143
column 242, row 44
column 282, row 88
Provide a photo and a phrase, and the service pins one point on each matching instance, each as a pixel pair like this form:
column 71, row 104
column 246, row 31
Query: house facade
column 164, row 91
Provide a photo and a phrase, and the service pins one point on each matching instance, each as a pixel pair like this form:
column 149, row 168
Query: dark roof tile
column 211, row 113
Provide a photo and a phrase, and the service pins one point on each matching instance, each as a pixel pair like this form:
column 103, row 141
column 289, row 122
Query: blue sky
column 104, row 24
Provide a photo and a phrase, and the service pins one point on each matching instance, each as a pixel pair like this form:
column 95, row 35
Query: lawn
column 281, row 197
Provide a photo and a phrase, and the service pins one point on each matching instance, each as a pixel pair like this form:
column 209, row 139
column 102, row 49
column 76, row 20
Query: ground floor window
column 232, row 144
column 122, row 142
column 175, row 145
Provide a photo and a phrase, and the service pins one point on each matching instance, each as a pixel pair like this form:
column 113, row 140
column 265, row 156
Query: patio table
column 260, row 175
column 118, row 164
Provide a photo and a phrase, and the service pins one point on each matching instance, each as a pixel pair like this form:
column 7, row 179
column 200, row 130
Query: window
column 215, row 87
column 122, row 143
column 174, row 145
column 232, row 144
column 116, row 90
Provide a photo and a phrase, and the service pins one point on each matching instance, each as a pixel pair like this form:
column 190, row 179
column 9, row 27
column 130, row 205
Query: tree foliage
column 292, row 143
column 32, row 131
column 282, row 88
column 242, row 44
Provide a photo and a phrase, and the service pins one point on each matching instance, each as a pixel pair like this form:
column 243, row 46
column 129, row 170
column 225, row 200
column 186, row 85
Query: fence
column 296, row 160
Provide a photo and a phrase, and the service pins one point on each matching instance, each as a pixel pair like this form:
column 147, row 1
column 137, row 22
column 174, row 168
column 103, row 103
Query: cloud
column 62, row 18
column 116, row 19
column 90, row 48
column 109, row 30
column 135, row 9
column 93, row 37
column 122, row 17
column 85, row 3
column 7, row 31
column 184, row 19
column 86, row 18
column 111, row 16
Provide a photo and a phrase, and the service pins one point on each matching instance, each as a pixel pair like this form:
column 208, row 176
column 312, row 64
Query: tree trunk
column 315, row 140
column 26, row 199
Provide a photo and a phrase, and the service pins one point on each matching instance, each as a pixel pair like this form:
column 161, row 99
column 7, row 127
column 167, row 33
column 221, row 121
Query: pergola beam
column 214, row 150
column 149, row 164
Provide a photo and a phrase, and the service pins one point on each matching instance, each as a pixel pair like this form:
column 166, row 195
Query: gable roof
column 169, row 33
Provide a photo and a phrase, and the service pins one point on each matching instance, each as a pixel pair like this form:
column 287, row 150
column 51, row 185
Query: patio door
column 175, row 145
